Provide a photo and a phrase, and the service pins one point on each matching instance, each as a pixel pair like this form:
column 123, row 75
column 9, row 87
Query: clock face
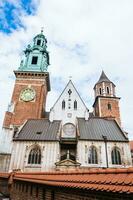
column 69, row 130
column 27, row 94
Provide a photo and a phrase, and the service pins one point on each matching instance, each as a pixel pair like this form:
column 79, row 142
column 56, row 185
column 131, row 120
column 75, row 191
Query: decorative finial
column 42, row 29
column 70, row 77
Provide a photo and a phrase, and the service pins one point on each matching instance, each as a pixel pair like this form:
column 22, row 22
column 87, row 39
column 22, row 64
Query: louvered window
column 93, row 158
column 34, row 156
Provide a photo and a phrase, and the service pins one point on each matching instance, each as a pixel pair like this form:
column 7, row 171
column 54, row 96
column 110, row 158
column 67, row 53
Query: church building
column 67, row 137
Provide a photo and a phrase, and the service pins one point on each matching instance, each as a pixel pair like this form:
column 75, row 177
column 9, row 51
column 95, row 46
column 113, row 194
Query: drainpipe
column 105, row 141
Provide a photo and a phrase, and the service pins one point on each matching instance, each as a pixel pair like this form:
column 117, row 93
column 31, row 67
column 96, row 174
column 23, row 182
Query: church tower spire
column 106, row 103
column 36, row 55
column 104, row 87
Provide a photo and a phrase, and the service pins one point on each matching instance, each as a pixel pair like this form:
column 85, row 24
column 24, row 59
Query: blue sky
column 83, row 39
column 10, row 14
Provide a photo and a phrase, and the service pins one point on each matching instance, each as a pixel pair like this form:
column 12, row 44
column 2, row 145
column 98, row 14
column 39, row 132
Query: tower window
column 109, row 106
column 63, row 105
column 100, row 91
column 75, row 105
column 116, row 157
column 107, row 90
column 34, row 60
column 38, row 42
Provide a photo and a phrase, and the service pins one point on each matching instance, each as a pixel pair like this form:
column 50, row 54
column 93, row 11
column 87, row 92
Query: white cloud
column 102, row 30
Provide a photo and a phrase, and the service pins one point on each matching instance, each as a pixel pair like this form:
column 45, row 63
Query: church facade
column 68, row 136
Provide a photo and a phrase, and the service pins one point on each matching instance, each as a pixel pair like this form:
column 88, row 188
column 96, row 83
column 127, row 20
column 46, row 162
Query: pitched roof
column 96, row 128
column 39, row 130
column 104, row 78
column 107, row 180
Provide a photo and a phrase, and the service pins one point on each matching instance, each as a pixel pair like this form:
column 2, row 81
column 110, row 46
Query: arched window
column 93, row 158
column 116, row 156
column 100, row 90
column 107, row 90
column 38, row 42
column 63, row 104
column 34, row 156
column 75, row 105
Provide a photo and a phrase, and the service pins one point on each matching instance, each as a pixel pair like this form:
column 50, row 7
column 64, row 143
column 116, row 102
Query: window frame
column 34, row 156
column 116, row 156
column 93, row 155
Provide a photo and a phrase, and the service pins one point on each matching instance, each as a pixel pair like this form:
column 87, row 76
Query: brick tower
column 29, row 95
column 106, row 103
column 31, row 85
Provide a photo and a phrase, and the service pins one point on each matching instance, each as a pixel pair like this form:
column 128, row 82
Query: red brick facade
column 107, row 107
column 31, row 109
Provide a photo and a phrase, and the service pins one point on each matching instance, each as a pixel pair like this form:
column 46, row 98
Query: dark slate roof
column 96, row 128
column 39, row 130
column 104, row 78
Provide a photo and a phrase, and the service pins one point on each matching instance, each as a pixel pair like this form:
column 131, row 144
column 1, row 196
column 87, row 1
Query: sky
column 84, row 38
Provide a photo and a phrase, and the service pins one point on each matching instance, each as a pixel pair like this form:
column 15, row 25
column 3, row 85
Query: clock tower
column 29, row 95
column 31, row 85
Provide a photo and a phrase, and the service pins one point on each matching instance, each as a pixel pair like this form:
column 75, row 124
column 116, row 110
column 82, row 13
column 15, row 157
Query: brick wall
column 25, row 110
column 4, row 186
column 102, row 110
column 113, row 112
column 22, row 191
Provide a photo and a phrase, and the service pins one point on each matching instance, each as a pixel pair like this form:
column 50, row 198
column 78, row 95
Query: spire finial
column 70, row 78
column 42, row 28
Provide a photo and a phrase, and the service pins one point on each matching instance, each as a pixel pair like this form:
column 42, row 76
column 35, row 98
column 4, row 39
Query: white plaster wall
column 19, row 158
column 83, row 150
column 57, row 113
column 6, row 140
column 125, row 153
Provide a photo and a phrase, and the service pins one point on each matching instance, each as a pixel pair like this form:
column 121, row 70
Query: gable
column 69, row 106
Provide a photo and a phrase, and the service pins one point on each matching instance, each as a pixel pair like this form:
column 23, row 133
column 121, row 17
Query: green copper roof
column 36, row 56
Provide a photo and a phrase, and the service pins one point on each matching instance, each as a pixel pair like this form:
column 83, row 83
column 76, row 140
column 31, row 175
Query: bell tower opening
column 34, row 60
